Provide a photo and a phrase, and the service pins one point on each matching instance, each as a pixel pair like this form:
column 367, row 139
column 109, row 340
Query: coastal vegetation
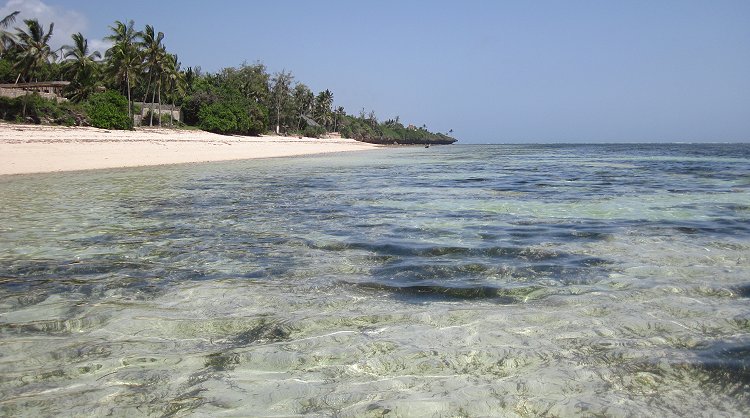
column 108, row 110
column 102, row 90
column 33, row 108
column 368, row 129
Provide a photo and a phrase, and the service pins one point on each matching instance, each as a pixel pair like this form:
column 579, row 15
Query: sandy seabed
column 26, row 149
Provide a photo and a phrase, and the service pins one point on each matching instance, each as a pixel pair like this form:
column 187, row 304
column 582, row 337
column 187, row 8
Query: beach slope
column 26, row 149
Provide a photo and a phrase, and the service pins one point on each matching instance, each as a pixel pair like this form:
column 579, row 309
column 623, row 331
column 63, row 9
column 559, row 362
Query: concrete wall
column 143, row 118
column 13, row 93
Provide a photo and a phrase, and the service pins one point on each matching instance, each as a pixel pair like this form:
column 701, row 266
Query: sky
column 491, row 71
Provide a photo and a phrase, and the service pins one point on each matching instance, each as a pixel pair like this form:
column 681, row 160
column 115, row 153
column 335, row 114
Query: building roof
column 310, row 121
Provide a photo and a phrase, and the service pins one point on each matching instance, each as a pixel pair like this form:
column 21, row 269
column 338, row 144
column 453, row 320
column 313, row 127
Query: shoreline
column 34, row 149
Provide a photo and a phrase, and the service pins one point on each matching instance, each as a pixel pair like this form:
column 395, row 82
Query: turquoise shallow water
column 515, row 280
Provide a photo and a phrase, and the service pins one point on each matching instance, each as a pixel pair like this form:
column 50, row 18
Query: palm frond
column 9, row 20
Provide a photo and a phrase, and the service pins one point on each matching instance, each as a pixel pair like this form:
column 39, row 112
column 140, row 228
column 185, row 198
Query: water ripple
column 534, row 280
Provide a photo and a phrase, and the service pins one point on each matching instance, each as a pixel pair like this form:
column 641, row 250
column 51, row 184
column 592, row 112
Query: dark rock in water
column 728, row 366
column 222, row 362
column 435, row 292
column 743, row 291
column 263, row 332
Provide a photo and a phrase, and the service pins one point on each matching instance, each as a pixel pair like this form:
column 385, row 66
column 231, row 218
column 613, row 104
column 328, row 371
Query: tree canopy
column 244, row 100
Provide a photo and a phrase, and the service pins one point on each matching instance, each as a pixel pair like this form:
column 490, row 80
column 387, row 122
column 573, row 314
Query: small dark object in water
column 427, row 146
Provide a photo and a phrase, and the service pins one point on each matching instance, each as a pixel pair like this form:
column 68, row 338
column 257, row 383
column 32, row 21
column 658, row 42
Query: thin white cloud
column 67, row 22
column 99, row 45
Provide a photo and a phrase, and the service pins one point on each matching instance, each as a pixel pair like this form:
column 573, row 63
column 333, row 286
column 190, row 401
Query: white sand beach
column 26, row 149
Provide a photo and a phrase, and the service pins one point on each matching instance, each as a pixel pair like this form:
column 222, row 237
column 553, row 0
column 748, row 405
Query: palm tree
column 34, row 52
column 124, row 57
column 338, row 116
column 176, row 81
column 159, row 68
column 6, row 38
column 303, row 102
column 324, row 102
column 153, row 61
column 80, row 67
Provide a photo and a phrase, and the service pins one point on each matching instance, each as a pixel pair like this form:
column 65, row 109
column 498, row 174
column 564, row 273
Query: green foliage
column 124, row 59
column 163, row 120
column 367, row 129
column 80, row 68
column 33, row 108
column 346, row 132
column 109, row 110
column 193, row 104
column 71, row 115
column 7, row 74
column 238, row 116
column 357, row 128
column 33, row 52
column 323, row 111
column 244, row 100
column 218, row 117
column 314, row 131
column 229, row 102
column 9, row 109
column 281, row 101
column 249, row 81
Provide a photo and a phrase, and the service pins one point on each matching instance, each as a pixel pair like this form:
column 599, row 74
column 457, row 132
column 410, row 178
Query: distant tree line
column 245, row 100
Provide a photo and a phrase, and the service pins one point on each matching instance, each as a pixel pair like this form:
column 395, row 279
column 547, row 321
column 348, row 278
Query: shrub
column 192, row 106
column 217, row 118
column 109, row 110
column 9, row 108
column 232, row 117
column 32, row 108
column 314, row 131
column 70, row 114
column 345, row 132
column 258, row 119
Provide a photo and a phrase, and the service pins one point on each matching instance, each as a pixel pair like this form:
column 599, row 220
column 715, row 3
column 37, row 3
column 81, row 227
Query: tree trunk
column 130, row 105
column 148, row 87
column 171, row 113
column 159, row 103
column 151, row 120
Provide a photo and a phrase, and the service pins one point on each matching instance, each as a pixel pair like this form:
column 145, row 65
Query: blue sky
column 493, row 71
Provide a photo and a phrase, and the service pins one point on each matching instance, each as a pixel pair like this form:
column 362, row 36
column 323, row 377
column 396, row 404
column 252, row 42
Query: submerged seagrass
column 462, row 280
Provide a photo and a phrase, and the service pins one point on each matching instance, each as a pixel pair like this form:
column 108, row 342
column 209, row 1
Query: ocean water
column 514, row 280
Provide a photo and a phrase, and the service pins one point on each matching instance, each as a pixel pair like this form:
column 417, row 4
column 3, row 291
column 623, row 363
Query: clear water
column 451, row 281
